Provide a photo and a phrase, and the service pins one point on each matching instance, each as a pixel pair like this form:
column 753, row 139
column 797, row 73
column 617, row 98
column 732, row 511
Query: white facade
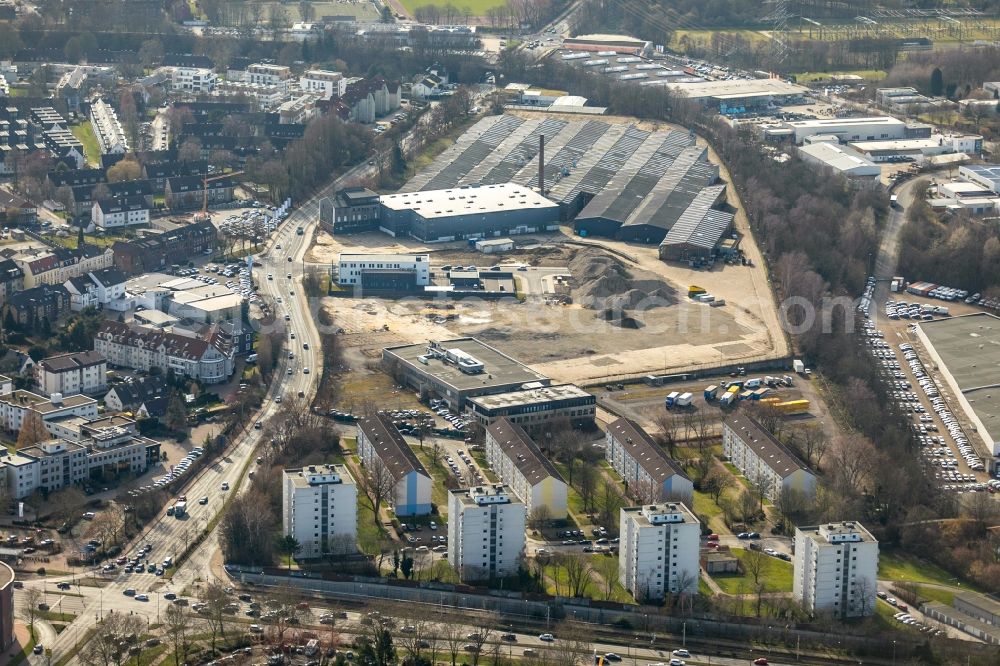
column 319, row 508
column 518, row 461
column 70, row 374
column 351, row 266
column 658, row 551
column 270, row 75
column 485, row 532
column 323, row 82
column 193, row 79
column 763, row 459
column 107, row 129
column 110, row 215
column 648, row 472
column 872, row 128
column 836, row 568
column 15, row 406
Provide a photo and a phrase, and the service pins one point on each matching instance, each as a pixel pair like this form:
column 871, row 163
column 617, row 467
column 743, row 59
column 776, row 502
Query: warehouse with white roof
column 842, row 160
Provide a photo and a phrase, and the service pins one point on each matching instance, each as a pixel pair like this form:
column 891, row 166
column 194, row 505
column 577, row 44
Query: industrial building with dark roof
column 615, row 179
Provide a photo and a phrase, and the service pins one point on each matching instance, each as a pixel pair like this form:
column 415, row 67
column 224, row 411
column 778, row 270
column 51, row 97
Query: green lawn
column 775, row 574
column 477, row 7
column 736, row 473
column 85, row 133
column 866, row 74
column 897, row 566
column 370, row 534
column 931, row 593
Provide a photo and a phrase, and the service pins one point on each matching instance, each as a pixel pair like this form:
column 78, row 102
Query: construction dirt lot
column 622, row 312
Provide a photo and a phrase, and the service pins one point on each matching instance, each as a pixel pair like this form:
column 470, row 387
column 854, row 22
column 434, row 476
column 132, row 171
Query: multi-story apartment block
column 648, row 472
column 519, row 463
column 108, row 130
column 193, row 79
column 262, row 74
column 95, row 289
column 185, row 192
column 836, row 568
column 31, row 307
column 56, row 265
column 762, row 459
column 158, row 251
column 69, row 374
column 658, row 551
column 16, row 405
column 324, row 82
column 485, row 532
column 122, row 212
column 140, row 348
column 383, row 450
column 81, row 449
column 319, row 507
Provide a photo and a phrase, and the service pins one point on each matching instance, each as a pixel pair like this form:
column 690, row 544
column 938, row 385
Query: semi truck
column 727, row 399
column 798, row 366
column 180, row 508
column 671, row 399
column 684, row 400
column 710, row 392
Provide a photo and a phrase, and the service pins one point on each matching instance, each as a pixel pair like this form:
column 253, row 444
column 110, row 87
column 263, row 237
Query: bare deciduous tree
column 377, row 483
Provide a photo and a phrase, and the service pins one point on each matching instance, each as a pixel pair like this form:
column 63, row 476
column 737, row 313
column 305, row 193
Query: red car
column 761, row 661
column 712, row 537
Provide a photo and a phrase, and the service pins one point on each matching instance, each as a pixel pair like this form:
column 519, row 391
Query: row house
column 141, row 348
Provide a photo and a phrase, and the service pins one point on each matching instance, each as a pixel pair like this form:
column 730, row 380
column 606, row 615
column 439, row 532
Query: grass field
column 932, row 593
column 775, row 574
column 85, row 133
column 361, row 9
column 896, row 566
column 866, row 74
column 475, row 7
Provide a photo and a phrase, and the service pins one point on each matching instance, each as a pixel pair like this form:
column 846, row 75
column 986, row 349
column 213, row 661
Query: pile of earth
column 602, row 283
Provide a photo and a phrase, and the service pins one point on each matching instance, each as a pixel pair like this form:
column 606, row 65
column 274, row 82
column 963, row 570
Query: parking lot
column 236, row 275
column 944, row 445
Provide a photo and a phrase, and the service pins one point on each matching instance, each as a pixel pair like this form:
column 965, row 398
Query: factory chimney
column 541, row 164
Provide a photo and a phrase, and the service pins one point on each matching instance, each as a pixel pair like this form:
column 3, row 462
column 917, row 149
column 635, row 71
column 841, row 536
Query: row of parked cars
column 178, row 471
column 458, row 421
column 941, row 409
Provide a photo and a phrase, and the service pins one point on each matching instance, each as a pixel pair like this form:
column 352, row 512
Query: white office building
column 263, row 74
column 352, row 268
column 323, row 82
column 319, row 507
column 485, row 532
column 193, row 79
column 836, row 567
column 658, row 552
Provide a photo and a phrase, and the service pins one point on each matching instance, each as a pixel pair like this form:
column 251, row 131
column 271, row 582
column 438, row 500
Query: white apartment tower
column 836, row 566
column 659, row 550
column 485, row 532
column 319, row 508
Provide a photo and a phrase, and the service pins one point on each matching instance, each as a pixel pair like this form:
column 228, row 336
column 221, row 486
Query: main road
column 170, row 536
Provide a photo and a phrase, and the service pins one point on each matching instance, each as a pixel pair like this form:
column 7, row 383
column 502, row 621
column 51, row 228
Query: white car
column 225, row 485
column 548, row 638
column 681, row 653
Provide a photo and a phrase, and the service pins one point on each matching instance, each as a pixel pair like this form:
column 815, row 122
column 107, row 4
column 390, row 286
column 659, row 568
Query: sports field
column 475, row 7
column 360, row 9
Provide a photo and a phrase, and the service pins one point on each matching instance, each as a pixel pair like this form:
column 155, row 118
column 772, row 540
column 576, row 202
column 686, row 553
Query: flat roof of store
column 499, row 370
column 533, row 396
column 465, row 200
column 738, row 88
column 969, row 347
column 894, row 144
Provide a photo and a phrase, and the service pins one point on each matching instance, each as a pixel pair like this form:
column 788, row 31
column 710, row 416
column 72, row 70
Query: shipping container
column 710, row 392
column 798, row 366
column 685, row 399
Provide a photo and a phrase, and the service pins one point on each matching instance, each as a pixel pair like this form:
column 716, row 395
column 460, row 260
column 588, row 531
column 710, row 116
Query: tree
column 32, row 597
column 577, row 568
column 306, row 11
column 80, row 240
column 265, row 354
column 126, row 169
column 454, row 637
column 937, row 82
column 747, row 506
column 386, row 14
column 716, row 482
column 112, row 640
column 190, row 150
column 377, row 648
column 216, row 599
column 288, row 545
column 177, row 624
column 176, row 416
column 377, row 483
column 277, row 18
column 610, row 574
column 100, row 192
column 246, row 528
column 586, row 486
column 151, row 52
column 32, row 431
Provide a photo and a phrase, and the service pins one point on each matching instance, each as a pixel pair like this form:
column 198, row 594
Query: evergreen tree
column 176, row 412
column 937, row 82
column 79, row 236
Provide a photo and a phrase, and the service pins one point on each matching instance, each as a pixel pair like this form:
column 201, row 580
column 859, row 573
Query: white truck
column 799, row 366
column 684, row 400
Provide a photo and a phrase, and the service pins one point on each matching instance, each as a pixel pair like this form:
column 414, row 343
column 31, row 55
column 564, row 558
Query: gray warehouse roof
column 430, row 204
column 541, row 395
column 499, row 369
column 701, row 225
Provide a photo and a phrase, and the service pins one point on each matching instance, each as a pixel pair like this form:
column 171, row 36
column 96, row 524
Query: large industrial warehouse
column 966, row 351
column 615, row 179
